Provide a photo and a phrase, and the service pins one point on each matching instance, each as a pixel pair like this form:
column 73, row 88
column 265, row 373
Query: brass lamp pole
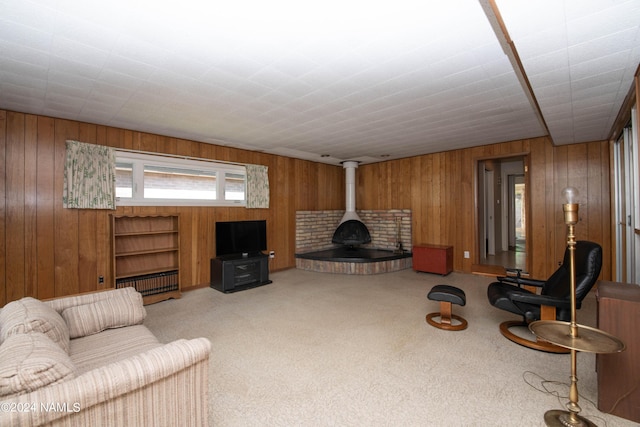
column 571, row 335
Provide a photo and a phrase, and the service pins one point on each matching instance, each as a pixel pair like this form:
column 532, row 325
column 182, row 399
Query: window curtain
column 89, row 176
column 257, row 186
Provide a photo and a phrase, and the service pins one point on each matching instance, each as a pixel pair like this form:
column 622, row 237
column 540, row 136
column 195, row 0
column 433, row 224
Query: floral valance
column 257, row 186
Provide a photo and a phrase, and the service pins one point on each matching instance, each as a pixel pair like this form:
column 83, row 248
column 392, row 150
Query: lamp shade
column 570, row 195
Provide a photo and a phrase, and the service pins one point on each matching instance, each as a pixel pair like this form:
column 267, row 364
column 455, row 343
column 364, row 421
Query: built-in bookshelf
column 146, row 255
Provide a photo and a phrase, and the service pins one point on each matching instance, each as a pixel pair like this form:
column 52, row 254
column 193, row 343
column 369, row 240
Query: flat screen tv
column 241, row 237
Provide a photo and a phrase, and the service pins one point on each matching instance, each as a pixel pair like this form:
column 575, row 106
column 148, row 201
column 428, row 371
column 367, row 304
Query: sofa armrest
column 167, row 385
column 62, row 303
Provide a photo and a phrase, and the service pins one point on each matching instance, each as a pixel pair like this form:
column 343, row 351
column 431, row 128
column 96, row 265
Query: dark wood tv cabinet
column 236, row 272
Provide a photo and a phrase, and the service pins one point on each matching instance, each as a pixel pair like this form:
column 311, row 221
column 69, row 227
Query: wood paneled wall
column 440, row 189
column 47, row 251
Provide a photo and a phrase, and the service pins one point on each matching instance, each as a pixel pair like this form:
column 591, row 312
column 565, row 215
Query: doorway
column 501, row 214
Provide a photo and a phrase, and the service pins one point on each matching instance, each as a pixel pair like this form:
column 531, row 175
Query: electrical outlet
column 272, row 254
column 466, row 254
column 100, row 279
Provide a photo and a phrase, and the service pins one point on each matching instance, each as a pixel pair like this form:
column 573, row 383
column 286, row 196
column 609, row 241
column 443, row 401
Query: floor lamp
column 569, row 334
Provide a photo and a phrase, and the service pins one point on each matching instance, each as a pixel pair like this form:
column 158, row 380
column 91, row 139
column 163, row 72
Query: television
column 241, row 237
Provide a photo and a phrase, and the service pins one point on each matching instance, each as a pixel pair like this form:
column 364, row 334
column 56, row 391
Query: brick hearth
column 314, row 230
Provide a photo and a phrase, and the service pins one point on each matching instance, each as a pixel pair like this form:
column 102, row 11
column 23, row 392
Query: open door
column 501, row 214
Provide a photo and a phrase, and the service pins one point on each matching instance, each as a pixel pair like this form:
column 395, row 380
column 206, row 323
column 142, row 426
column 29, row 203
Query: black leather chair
column 510, row 293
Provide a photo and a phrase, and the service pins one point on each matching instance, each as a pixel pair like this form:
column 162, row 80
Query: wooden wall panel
column 441, row 191
column 283, row 185
column 548, row 259
column 3, row 210
column 15, row 208
column 66, row 244
column 330, row 185
column 45, row 208
column 468, row 196
column 30, row 203
column 47, row 251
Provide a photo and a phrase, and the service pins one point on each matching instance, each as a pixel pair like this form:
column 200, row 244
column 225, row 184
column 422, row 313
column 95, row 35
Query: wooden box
column 433, row 259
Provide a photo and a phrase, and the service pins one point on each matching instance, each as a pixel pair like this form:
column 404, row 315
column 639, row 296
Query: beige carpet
column 315, row 349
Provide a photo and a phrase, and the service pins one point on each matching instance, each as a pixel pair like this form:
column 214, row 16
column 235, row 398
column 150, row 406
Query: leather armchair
column 519, row 295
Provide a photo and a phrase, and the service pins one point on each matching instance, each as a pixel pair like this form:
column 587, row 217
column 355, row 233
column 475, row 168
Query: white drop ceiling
column 325, row 81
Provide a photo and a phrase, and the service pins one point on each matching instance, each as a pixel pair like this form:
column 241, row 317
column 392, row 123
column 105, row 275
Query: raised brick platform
column 371, row 262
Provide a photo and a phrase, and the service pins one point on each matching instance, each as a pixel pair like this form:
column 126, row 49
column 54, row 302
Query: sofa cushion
column 111, row 345
column 121, row 309
column 29, row 315
column 60, row 304
column 31, row 361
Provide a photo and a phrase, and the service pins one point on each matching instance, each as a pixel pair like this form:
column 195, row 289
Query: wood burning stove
column 351, row 233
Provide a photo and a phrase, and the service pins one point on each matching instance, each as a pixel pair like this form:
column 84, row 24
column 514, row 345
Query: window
column 626, row 187
column 156, row 180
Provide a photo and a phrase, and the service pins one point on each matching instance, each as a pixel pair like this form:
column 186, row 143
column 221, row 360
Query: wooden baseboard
column 488, row 270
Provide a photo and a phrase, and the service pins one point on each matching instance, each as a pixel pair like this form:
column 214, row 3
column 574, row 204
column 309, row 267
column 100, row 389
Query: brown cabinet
column 146, row 255
column 433, row 259
column 619, row 373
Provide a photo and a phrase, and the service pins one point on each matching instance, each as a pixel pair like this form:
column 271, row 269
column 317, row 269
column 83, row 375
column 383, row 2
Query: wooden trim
column 476, row 267
column 510, row 50
column 489, row 270
column 624, row 115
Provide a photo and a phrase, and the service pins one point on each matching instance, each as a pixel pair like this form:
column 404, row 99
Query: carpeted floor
column 314, row 349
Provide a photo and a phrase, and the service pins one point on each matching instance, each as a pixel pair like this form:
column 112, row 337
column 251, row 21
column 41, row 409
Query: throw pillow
column 31, row 361
column 119, row 310
column 28, row 315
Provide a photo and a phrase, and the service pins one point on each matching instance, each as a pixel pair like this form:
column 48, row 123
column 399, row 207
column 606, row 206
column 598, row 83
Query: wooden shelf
column 146, row 272
column 152, row 299
column 146, row 233
column 146, row 255
column 143, row 252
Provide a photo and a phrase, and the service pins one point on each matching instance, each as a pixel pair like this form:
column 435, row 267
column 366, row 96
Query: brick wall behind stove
column 383, row 227
column 314, row 229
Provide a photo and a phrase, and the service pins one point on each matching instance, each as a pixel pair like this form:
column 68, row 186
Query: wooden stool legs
column 447, row 295
column 445, row 318
column 538, row 344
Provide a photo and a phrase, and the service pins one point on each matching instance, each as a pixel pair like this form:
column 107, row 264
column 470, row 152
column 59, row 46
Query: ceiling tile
column 300, row 78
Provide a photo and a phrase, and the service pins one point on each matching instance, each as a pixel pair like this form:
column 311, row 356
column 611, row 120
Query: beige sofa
column 88, row 360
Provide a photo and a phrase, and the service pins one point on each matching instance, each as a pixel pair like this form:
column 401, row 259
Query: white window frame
column 139, row 160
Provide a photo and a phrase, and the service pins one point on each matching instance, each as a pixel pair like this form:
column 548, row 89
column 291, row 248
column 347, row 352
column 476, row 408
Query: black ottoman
column 447, row 295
